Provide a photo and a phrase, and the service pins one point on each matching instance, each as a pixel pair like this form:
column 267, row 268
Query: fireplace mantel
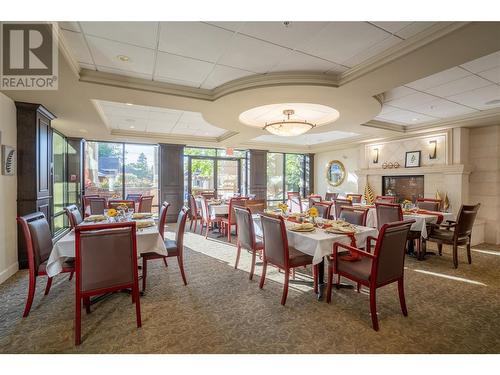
column 444, row 169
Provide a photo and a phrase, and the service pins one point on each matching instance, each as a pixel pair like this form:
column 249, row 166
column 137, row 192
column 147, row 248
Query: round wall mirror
column 335, row 173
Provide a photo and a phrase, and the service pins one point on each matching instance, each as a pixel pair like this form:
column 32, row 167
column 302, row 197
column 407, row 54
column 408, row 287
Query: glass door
column 201, row 175
column 228, row 177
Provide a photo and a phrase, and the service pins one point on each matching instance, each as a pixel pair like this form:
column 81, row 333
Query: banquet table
column 148, row 240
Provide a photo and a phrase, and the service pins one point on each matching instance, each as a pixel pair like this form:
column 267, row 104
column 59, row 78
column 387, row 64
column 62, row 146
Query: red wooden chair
column 121, row 202
column 354, row 215
column 338, row 204
column 146, row 203
column 385, row 199
column 194, row 213
column 383, row 267
column 74, row 216
column 356, row 198
column 246, row 236
column 106, row 261
column 133, row 197
column 323, row 209
column 36, row 233
column 331, row 196
column 429, row 204
column 230, row 221
column 294, row 201
column 86, row 203
column 207, row 219
column 278, row 253
column 314, row 198
column 175, row 248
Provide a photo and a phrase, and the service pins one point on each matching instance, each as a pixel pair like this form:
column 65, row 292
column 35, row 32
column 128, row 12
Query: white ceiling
column 454, row 92
column 307, row 139
column 122, row 116
column 206, row 55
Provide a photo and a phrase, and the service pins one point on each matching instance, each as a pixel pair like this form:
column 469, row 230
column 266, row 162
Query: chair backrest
column 146, row 203
column 323, row 209
column 385, row 199
column 204, row 209
column 465, row 220
column 388, row 213
column 162, row 218
column 246, row 232
column 122, row 202
column 356, row 198
column 256, row 205
column 36, row 232
column 181, row 227
column 354, row 215
column 429, row 204
column 85, row 200
column 233, row 202
column 314, row 199
column 252, row 196
column 331, row 196
column 294, row 201
column 338, row 203
column 208, row 194
column 73, row 214
column 106, row 256
column 389, row 252
column 97, row 205
column 133, row 197
column 275, row 240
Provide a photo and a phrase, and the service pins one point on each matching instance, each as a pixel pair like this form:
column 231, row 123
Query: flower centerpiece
column 283, row 207
column 349, row 198
column 407, row 204
column 312, row 213
column 112, row 213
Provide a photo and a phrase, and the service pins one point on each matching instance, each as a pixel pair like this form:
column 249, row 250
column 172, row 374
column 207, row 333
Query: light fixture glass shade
column 288, row 129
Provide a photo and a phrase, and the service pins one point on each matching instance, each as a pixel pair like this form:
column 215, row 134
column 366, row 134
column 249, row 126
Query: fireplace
column 403, row 187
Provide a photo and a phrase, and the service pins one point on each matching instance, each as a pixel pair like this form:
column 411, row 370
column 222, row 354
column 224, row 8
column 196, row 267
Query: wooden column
column 172, row 178
column 258, row 174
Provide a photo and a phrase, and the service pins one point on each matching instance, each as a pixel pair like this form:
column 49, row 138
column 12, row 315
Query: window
column 141, row 171
column 286, row 172
column 59, row 187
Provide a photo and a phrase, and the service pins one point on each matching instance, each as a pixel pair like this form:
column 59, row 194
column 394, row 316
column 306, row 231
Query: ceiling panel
column 413, row 29
column 182, row 68
column 78, row 45
column 483, row 63
column 194, row 39
column 222, row 74
column 479, row 97
column 296, row 33
column 159, row 127
column 298, row 61
column 442, row 108
column 372, row 51
column 438, row 79
column 404, row 117
column 70, row 25
column 106, row 52
column 493, row 74
column 398, row 92
column 251, row 54
column 143, row 34
column 470, row 82
column 412, row 101
column 231, row 26
column 392, row 27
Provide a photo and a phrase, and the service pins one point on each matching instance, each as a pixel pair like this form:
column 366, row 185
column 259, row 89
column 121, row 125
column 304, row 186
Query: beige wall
column 349, row 157
column 484, row 152
column 8, row 195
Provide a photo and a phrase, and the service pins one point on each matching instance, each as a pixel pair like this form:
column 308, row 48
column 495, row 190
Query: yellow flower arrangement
column 312, row 212
column 112, row 212
column 283, row 207
column 406, row 201
column 349, row 198
column 123, row 207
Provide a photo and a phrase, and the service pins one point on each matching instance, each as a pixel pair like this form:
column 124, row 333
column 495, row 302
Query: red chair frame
column 386, row 198
column 294, row 195
column 356, row 209
column 430, row 200
column 356, row 198
column 145, row 198
column 113, row 203
column 226, row 222
column 255, row 247
column 194, row 213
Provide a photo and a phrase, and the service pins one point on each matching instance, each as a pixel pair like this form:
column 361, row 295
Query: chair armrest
column 350, row 248
column 368, row 245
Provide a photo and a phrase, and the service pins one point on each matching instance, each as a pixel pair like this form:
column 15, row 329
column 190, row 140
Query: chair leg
column 71, row 276
column 238, row 252
column 191, row 224
column 263, row 276
column 419, row 249
column 206, row 232
column 338, row 282
column 78, row 319
column 252, row 269
column 315, row 278
column 181, row 267
column 358, row 287
column 329, row 283
column 402, row 301
column 440, row 248
column 137, row 298
column 144, row 273
column 469, row 255
column 285, row 286
column 165, row 261
column 31, row 295
column 86, row 302
column 424, row 247
column 455, row 256
column 228, row 232
column 373, row 308
column 49, row 284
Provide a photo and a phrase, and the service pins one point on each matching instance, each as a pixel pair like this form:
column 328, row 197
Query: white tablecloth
column 148, row 240
column 318, row 244
column 215, row 209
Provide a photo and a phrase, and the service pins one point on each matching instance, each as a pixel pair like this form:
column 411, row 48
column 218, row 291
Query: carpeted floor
column 221, row 311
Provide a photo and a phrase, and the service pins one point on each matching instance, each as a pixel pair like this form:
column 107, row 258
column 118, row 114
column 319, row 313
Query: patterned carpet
column 221, row 311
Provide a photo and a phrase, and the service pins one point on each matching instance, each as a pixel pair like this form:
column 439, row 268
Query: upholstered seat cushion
column 67, row 266
column 171, row 247
column 442, row 234
column 360, row 269
column 298, row 258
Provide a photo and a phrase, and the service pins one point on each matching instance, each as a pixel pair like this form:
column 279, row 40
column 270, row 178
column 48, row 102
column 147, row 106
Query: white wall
column 8, row 195
column 349, row 157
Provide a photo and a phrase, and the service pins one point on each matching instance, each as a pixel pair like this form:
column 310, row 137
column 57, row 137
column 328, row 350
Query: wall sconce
column 433, row 150
column 375, row 155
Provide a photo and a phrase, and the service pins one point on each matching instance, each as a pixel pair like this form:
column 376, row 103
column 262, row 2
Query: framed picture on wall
column 412, row 159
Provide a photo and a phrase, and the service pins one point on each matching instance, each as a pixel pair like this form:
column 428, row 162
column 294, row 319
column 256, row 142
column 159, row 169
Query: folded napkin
column 95, row 218
column 303, row 226
column 144, row 224
column 142, row 215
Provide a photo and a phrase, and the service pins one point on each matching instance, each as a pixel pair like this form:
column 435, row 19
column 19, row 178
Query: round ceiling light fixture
column 123, row 58
column 289, row 119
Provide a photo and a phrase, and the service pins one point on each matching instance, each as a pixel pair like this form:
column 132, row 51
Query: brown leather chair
column 429, row 204
column 388, row 213
column 106, row 261
column 146, row 203
column 294, row 201
column 280, row 254
column 206, row 219
column 121, row 202
column 230, row 221
column 323, row 209
column 38, row 239
column 383, row 267
column 454, row 232
column 338, row 203
column 354, row 215
column 194, row 212
column 175, row 248
column 246, row 236
column 97, row 205
column 74, row 216
column 385, row 199
column 356, row 198
column 331, row 196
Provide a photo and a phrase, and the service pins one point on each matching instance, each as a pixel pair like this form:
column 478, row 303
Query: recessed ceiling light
column 128, row 104
column 414, row 119
column 123, row 58
column 132, row 127
column 492, row 102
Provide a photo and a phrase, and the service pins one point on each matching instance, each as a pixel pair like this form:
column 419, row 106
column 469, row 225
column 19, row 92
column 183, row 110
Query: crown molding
column 162, row 138
column 66, row 52
column 385, row 125
column 438, row 168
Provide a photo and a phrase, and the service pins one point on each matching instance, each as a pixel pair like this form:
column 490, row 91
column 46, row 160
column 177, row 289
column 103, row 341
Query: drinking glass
column 320, row 223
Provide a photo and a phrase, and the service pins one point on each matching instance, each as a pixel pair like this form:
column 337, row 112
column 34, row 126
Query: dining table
column 214, row 208
column 148, row 240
